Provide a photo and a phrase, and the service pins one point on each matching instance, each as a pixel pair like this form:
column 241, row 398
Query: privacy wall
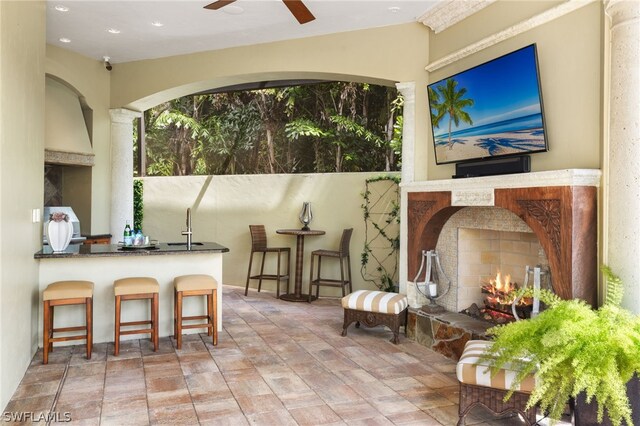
column 223, row 207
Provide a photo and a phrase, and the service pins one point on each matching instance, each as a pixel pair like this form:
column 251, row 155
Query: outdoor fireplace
column 552, row 213
column 558, row 207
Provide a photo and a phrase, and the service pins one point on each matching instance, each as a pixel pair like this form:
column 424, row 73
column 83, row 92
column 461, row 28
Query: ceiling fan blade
column 218, row 4
column 299, row 10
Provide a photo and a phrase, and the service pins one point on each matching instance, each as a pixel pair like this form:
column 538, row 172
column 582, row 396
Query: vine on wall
column 381, row 208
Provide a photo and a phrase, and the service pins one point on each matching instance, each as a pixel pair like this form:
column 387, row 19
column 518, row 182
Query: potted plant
column 576, row 354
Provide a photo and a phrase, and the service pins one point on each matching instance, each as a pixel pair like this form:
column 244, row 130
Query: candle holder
column 434, row 278
column 306, row 215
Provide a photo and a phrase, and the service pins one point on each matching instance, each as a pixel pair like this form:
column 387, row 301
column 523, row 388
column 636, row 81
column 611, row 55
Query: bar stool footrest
column 330, row 282
column 141, row 331
column 197, row 326
column 196, row 317
column 64, row 329
column 67, row 338
column 124, row 324
column 269, row 277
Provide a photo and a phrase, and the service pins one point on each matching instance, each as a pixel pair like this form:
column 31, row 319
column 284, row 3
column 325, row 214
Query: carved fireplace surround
column 559, row 206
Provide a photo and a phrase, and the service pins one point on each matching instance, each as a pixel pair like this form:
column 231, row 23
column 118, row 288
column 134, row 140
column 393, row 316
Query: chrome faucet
column 189, row 231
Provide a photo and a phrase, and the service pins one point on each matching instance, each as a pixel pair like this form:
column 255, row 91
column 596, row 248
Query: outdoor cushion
column 195, row 282
column 135, row 285
column 68, row 290
column 375, row 301
column 474, row 371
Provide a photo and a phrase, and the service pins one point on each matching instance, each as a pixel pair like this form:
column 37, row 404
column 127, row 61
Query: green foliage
column 382, row 237
column 326, row 127
column 138, row 206
column 572, row 348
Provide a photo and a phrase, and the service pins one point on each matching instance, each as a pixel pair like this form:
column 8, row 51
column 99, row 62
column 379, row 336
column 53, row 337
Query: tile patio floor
column 276, row 363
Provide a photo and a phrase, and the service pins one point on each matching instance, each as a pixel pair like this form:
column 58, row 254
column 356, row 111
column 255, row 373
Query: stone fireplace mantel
column 559, row 206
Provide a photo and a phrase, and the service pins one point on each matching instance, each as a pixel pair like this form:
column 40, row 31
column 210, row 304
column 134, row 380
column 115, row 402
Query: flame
column 500, row 285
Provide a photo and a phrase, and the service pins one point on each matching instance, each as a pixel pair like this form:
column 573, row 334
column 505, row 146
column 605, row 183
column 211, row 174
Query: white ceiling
column 188, row 27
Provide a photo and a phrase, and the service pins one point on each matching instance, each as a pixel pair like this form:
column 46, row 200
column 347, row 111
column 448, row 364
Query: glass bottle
column 128, row 240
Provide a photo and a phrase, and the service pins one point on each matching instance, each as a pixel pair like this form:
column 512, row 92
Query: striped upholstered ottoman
column 478, row 386
column 373, row 308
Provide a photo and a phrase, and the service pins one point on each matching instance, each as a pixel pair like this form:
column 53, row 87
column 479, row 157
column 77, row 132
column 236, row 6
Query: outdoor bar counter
column 104, row 263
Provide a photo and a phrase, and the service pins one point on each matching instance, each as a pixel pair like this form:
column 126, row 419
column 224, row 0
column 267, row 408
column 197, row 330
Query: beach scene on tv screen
column 488, row 111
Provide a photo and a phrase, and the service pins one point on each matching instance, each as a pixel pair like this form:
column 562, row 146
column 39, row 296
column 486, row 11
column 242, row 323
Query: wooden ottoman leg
column 347, row 321
column 394, row 325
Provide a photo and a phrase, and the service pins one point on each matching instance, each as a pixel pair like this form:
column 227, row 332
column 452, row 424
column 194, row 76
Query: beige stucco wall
column 22, row 50
column 89, row 78
column 223, row 207
column 570, row 57
column 382, row 55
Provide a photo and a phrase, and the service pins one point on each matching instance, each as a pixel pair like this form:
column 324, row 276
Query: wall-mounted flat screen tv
column 489, row 111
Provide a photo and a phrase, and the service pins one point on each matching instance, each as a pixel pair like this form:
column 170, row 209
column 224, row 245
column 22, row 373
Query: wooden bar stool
column 62, row 293
column 136, row 288
column 195, row 285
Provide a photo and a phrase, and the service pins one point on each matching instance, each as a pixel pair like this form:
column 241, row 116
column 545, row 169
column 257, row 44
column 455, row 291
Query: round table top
column 300, row 232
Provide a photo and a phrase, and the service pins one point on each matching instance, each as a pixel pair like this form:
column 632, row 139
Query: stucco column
column 121, row 170
column 623, row 171
column 408, row 91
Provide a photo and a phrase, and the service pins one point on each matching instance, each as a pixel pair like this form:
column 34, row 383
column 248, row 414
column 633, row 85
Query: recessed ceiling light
column 113, row 31
column 64, row 40
column 157, row 24
column 61, row 8
column 394, row 9
column 233, row 10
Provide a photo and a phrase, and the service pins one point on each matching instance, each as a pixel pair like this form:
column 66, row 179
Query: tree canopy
column 323, row 127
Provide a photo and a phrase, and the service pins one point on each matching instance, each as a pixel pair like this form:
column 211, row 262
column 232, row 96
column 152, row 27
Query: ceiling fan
column 296, row 7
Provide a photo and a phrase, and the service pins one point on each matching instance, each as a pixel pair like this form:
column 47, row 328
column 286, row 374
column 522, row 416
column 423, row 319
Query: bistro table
column 297, row 295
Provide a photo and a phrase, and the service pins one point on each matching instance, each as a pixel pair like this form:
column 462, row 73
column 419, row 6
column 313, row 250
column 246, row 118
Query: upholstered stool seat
column 62, row 293
column 480, row 386
column 195, row 285
column 136, row 288
column 374, row 308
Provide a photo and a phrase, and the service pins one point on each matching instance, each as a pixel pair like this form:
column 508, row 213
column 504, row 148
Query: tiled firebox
column 476, row 243
column 483, row 254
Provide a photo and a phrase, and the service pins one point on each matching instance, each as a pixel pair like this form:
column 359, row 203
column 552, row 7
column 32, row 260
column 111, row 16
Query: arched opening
column 266, row 127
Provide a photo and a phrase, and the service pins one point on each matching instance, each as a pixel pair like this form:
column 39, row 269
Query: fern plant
column 571, row 348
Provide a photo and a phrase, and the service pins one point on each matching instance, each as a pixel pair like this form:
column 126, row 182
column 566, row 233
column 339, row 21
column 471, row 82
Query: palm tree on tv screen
column 452, row 105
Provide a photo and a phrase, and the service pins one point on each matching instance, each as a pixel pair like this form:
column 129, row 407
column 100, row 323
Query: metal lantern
column 436, row 284
column 537, row 277
column 306, row 215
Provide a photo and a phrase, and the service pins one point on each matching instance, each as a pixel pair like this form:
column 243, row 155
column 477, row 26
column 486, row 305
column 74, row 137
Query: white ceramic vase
column 59, row 234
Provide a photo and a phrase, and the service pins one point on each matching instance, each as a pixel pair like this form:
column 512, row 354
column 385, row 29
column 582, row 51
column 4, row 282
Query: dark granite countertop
column 112, row 250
